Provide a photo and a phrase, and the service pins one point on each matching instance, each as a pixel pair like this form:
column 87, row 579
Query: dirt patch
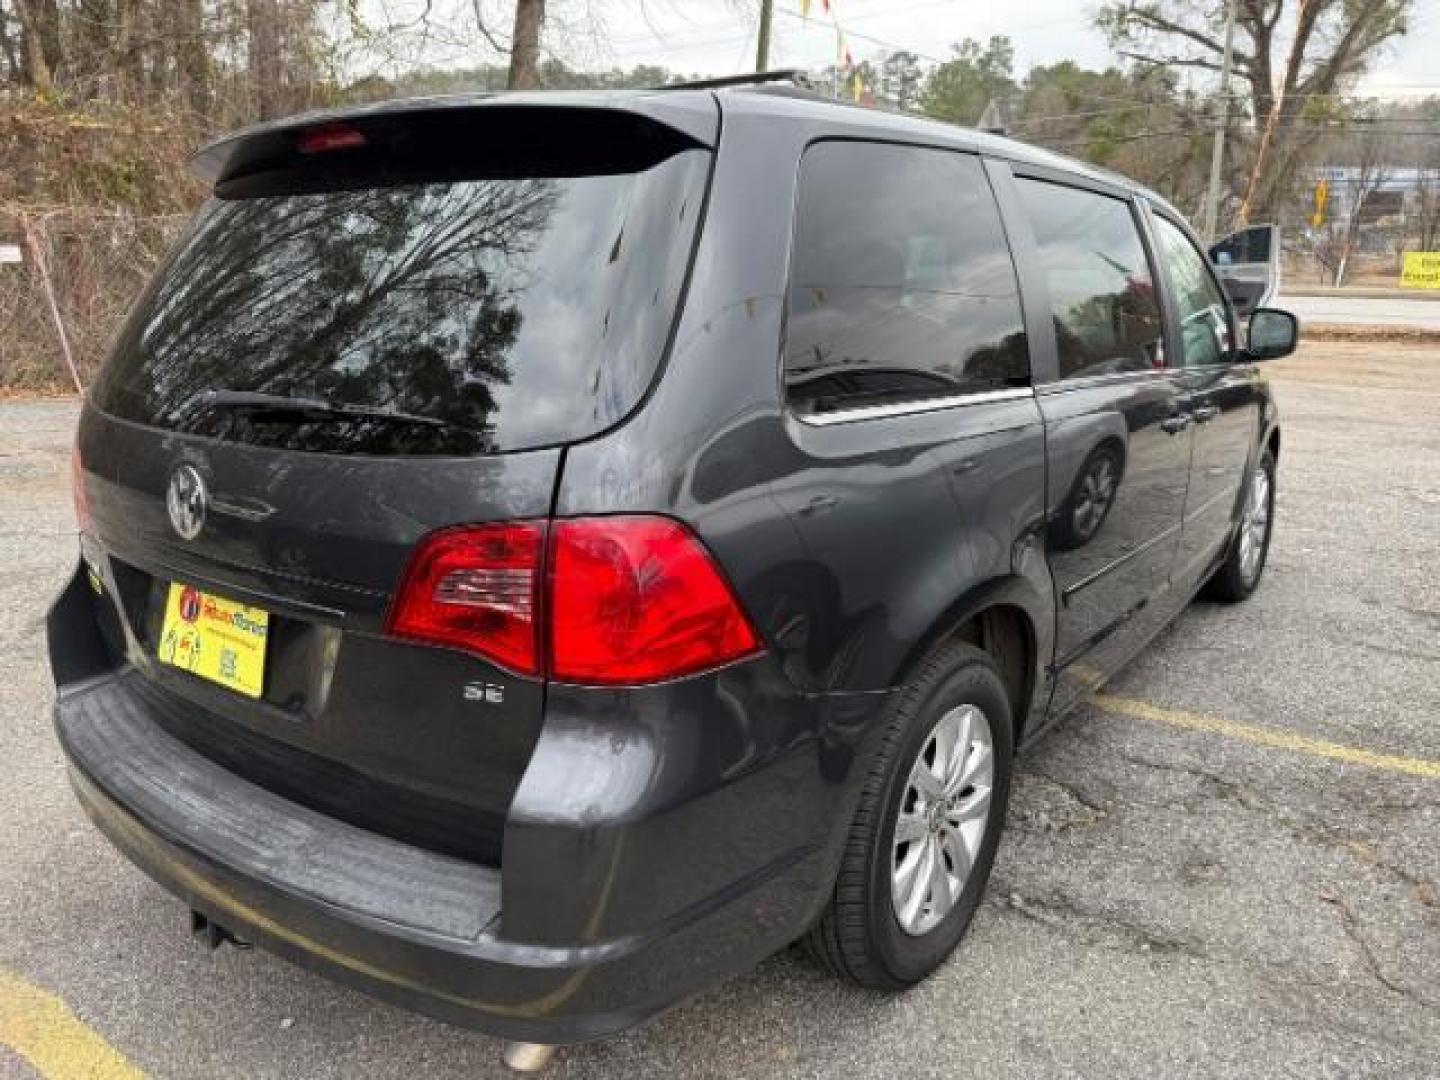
column 50, row 391
column 1401, row 364
column 1339, row 332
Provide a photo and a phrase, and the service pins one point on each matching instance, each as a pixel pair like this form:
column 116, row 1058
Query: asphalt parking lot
column 1229, row 866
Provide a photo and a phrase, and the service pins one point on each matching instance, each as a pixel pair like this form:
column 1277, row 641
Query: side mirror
column 1273, row 333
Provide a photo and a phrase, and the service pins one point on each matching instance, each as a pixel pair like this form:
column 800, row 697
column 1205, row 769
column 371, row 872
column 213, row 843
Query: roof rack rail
column 750, row 78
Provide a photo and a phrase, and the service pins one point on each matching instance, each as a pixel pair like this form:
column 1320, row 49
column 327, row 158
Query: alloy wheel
column 1255, row 524
column 942, row 821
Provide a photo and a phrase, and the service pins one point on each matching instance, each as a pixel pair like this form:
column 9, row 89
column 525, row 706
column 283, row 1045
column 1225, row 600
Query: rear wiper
column 305, row 409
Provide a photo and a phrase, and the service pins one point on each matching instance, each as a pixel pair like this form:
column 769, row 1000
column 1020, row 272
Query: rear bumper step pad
column 192, row 801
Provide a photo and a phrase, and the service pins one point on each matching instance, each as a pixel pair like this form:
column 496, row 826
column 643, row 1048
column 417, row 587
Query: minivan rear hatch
column 382, row 324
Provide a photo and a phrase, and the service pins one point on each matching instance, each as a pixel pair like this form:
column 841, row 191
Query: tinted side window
column 1204, row 330
column 901, row 284
column 1101, row 293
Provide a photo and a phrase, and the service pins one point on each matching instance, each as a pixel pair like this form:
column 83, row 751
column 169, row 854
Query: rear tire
column 1243, row 567
column 863, row 934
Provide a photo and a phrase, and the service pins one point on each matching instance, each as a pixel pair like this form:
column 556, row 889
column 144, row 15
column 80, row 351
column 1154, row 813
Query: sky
column 717, row 36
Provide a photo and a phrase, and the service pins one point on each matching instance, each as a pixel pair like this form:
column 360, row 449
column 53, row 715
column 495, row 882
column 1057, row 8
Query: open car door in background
column 1248, row 263
column 1249, row 267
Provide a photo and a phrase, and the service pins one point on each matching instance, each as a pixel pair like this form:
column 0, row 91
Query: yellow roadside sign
column 1322, row 196
column 1421, row 270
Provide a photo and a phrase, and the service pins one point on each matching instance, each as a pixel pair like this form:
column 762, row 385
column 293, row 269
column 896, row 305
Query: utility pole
column 1217, row 152
column 762, row 44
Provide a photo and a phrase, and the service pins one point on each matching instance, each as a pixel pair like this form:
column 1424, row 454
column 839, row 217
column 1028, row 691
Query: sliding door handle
column 1205, row 414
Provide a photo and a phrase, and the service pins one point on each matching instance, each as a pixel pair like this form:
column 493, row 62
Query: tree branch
column 486, row 32
column 1152, row 19
column 1168, row 61
column 1277, row 9
column 1359, row 39
column 1304, row 27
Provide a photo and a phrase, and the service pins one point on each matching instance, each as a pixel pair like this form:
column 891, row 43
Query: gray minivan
column 541, row 554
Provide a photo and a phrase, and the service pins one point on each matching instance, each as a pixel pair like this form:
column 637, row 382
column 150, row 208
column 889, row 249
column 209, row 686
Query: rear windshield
column 464, row 317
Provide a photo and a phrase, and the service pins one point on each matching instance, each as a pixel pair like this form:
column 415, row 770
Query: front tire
column 927, row 827
column 1090, row 499
column 1239, row 575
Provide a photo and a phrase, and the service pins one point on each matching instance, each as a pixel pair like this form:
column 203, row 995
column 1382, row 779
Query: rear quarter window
column 902, row 286
column 511, row 312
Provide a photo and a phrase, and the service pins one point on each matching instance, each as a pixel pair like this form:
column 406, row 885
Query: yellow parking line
column 41, row 1029
column 1275, row 738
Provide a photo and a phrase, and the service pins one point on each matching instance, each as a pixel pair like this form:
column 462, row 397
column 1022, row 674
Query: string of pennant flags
column 844, row 58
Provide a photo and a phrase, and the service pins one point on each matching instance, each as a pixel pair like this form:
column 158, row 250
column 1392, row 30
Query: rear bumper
column 404, row 924
column 640, row 867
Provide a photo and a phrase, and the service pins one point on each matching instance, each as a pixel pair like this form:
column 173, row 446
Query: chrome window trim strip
column 908, row 408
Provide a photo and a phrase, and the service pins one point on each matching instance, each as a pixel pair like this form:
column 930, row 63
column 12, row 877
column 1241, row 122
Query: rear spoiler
column 462, row 136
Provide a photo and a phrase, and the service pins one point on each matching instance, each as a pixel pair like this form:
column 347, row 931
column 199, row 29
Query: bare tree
column 10, row 46
column 1289, row 75
column 38, row 65
column 129, row 61
column 192, row 56
column 525, row 45
column 1425, row 152
column 1427, row 208
column 262, row 18
column 1367, row 154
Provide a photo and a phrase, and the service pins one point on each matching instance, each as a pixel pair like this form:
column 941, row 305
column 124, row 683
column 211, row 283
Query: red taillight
column 327, row 137
column 638, row 600
column 77, row 490
column 627, row 600
column 477, row 589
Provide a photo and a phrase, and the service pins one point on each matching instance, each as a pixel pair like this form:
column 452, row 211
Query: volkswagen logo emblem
column 186, row 499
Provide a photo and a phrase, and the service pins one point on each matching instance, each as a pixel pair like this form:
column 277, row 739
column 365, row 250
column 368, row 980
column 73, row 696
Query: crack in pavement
column 1095, row 812
column 1352, row 926
column 1395, row 650
column 1061, row 914
column 1422, row 889
column 1061, row 911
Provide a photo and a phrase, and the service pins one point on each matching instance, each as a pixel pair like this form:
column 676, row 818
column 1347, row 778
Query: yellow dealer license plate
column 215, row 638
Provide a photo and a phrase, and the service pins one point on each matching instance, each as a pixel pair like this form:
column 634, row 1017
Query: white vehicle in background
column 1248, row 264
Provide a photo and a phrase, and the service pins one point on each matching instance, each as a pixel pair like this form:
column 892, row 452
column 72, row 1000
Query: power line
column 1335, row 122
column 904, row 9
column 1041, row 119
column 1198, row 129
column 892, row 46
column 686, row 46
column 642, row 43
